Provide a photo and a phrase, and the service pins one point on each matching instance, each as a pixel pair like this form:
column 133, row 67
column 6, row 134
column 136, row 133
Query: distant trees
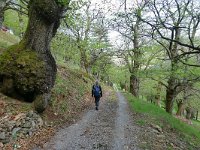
column 87, row 27
column 172, row 23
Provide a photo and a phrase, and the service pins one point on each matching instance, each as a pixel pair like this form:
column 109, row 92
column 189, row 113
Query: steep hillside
column 70, row 97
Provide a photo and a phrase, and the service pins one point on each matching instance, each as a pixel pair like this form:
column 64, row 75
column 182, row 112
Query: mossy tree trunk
column 171, row 90
column 170, row 95
column 134, row 85
column 135, row 60
column 2, row 10
column 158, row 94
column 32, row 69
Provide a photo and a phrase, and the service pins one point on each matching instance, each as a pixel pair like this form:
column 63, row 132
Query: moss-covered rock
column 24, row 70
column 41, row 102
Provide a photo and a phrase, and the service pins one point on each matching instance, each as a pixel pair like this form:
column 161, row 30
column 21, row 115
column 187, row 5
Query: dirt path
column 110, row 128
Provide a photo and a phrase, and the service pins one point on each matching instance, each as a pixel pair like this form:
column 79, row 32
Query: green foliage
column 63, row 2
column 159, row 116
column 118, row 74
column 12, row 21
column 65, row 50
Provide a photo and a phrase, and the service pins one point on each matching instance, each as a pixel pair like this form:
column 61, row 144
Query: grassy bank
column 7, row 39
column 70, row 95
column 156, row 115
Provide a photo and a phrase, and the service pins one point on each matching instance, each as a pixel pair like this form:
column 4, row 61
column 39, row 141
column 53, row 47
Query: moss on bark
column 25, row 69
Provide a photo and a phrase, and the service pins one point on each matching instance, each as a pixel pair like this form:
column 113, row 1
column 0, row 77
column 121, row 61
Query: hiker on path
column 96, row 93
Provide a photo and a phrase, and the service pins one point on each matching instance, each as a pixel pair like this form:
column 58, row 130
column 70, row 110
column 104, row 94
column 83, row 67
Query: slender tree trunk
column 134, row 80
column 158, row 94
column 170, row 94
column 181, row 108
column 171, row 90
column 21, row 24
column 188, row 113
column 134, row 85
column 1, row 18
column 2, row 10
column 83, row 60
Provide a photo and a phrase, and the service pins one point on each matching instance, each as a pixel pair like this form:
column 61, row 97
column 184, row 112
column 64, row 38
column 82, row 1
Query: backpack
column 96, row 90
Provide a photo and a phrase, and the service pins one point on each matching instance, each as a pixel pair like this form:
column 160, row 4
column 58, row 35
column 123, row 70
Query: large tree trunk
column 29, row 67
column 134, row 85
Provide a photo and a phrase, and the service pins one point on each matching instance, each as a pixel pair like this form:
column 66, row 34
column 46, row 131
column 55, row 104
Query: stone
column 15, row 130
column 33, row 124
column 19, row 116
column 12, row 122
column 35, row 115
column 40, row 121
column 161, row 136
column 23, row 121
column 1, row 145
column 155, row 131
column 10, row 127
column 5, row 141
column 30, row 114
column 18, row 123
column 27, row 125
column 2, row 136
column 157, row 127
column 30, row 133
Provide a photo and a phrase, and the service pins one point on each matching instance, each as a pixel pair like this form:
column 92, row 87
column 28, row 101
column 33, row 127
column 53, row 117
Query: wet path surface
column 110, row 128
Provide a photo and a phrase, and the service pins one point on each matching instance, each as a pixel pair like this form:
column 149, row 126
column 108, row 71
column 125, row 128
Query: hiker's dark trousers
column 97, row 101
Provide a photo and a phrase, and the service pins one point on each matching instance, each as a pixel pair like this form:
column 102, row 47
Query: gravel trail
column 110, row 128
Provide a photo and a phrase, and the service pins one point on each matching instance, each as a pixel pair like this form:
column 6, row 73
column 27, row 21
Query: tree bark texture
column 2, row 10
column 188, row 113
column 134, row 79
column 158, row 94
column 134, row 85
column 181, row 108
column 44, row 19
column 171, row 89
column 170, row 94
